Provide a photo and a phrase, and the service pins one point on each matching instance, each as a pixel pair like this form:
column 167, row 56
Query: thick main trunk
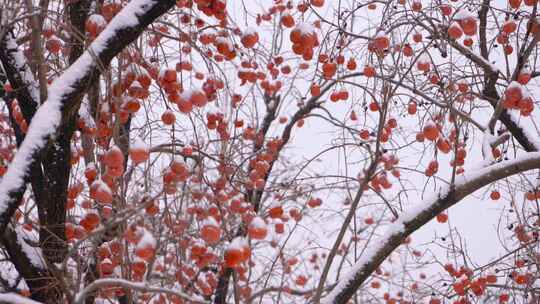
column 52, row 205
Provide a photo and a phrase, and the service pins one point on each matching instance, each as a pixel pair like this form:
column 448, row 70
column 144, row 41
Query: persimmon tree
column 212, row 151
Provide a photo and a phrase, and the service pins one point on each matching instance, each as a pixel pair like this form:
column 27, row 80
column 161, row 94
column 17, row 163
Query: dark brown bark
column 50, row 166
column 15, row 76
column 70, row 101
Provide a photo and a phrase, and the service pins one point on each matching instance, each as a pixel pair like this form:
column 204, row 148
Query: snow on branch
column 34, row 254
column 27, row 260
column 14, row 298
column 476, row 58
column 18, row 72
column 533, row 139
column 101, row 283
column 521, row 134
column 416, row 217
column 122, row 30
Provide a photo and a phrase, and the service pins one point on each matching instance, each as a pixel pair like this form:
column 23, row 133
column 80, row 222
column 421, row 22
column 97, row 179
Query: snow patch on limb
column 527, row 130
column 48, row 116
column 127, row 17
column 10, row 275
column 464, row 185
column 34, row 254
column 19, row 63
column 14, row 298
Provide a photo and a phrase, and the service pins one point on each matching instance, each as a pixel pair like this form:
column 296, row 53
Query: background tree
column 275, row 151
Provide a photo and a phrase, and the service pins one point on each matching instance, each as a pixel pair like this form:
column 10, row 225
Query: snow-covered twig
column 100, row 283
column 533, row 139
column 34, row 254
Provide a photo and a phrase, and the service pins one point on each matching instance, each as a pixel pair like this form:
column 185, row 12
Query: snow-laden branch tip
column 13, row 298
column 416, row 217
column 48, row 117
column 141, row 286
